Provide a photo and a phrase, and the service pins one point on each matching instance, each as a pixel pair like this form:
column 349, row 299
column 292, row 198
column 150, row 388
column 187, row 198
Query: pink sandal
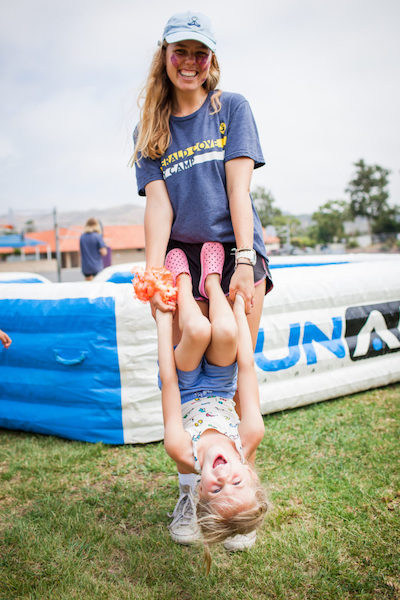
column 212, row 258
column 177, row 263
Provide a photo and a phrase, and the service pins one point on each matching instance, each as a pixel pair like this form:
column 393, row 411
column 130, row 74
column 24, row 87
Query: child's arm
column 251, row 426
column 5, row 339
column 176, row 439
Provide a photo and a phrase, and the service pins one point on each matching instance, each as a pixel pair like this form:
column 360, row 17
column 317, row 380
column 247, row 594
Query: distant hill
column 124, row 214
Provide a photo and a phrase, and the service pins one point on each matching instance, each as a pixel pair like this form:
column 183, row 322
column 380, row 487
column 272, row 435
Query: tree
column 287, row 228
column 368, row 193
column 264, row 203
column 329, row 221
column 387, row 222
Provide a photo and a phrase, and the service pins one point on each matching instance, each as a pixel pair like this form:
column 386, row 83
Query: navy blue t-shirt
column 193, row 168
column 91, row 259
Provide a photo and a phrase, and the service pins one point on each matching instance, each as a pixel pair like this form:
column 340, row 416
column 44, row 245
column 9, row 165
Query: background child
column 92, row 249
column 202, row 431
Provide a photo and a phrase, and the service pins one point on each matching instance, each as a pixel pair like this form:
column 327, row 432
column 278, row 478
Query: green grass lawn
column 88, row 521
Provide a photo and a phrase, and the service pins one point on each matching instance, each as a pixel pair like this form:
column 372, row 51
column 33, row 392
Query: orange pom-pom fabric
column 147, row 283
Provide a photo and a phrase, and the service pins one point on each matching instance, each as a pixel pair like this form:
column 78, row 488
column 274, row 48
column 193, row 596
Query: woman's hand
column 242, row 281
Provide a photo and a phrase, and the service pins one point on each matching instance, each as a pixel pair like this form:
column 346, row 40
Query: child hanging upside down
column 202, row 430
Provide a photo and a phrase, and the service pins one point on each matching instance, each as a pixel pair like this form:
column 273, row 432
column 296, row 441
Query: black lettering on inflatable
column 373, row 330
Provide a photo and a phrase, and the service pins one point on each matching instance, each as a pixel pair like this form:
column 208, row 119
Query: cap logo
column 194, row 22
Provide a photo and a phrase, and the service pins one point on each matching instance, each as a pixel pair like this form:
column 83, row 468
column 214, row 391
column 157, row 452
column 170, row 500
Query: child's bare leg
column 223, row 347
column 194, row 326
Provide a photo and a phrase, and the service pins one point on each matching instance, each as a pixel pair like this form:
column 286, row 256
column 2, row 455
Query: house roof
column 117, row 237
column 270, row 239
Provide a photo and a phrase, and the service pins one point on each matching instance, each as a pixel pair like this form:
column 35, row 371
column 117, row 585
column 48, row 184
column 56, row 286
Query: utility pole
column 58, row 254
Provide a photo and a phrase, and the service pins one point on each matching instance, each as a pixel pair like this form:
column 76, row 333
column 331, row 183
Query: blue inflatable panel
column 22, row 277
column 121, row 277
column 306, row 264
column 61, row 373
column 22, row 280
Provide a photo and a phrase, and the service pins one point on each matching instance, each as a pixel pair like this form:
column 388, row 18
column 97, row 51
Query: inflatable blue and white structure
column 82, row 363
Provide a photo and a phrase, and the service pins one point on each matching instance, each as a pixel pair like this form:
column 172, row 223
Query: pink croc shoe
column 177, row 263
column 212, row 258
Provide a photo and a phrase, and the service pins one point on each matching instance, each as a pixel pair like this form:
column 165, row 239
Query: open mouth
column 220, row 460
column 188, row 74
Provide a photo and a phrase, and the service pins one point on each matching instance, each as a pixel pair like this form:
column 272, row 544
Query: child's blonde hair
column 216, row 527
column 155, row 100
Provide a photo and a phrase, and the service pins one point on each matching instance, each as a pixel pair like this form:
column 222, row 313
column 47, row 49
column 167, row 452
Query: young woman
column 195, row 151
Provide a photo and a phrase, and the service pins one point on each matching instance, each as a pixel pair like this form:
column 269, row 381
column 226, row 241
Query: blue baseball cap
column 190, row 26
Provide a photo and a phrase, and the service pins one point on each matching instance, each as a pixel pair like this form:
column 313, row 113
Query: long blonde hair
column 155, row 102
column 216, row 527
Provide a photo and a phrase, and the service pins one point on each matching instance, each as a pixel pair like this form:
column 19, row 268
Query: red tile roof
column 118, row 237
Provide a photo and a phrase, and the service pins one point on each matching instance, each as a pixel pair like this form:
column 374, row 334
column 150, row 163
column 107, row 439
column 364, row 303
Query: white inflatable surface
column 82, row 364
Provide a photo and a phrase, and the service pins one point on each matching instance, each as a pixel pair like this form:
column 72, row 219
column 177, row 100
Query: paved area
column 67, row 275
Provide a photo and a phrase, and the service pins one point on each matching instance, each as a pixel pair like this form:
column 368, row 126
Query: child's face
column 226, row 482
column 188, row 64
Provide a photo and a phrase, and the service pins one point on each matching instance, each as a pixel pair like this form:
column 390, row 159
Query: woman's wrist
column 245, row 254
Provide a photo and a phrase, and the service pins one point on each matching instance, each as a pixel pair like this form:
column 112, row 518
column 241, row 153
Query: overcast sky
column 322, row 78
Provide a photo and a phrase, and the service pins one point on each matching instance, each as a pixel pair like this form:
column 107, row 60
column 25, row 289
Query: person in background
column 92, row 249
column 107, row 258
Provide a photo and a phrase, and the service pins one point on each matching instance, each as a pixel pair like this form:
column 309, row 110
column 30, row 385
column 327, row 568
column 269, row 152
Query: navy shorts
column 192, row 251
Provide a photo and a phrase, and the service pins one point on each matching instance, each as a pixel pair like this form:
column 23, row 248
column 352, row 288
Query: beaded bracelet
column 245, row 263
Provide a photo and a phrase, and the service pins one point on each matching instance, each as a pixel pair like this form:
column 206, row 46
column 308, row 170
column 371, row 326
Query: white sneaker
column 183, row 528
column 240, row 541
